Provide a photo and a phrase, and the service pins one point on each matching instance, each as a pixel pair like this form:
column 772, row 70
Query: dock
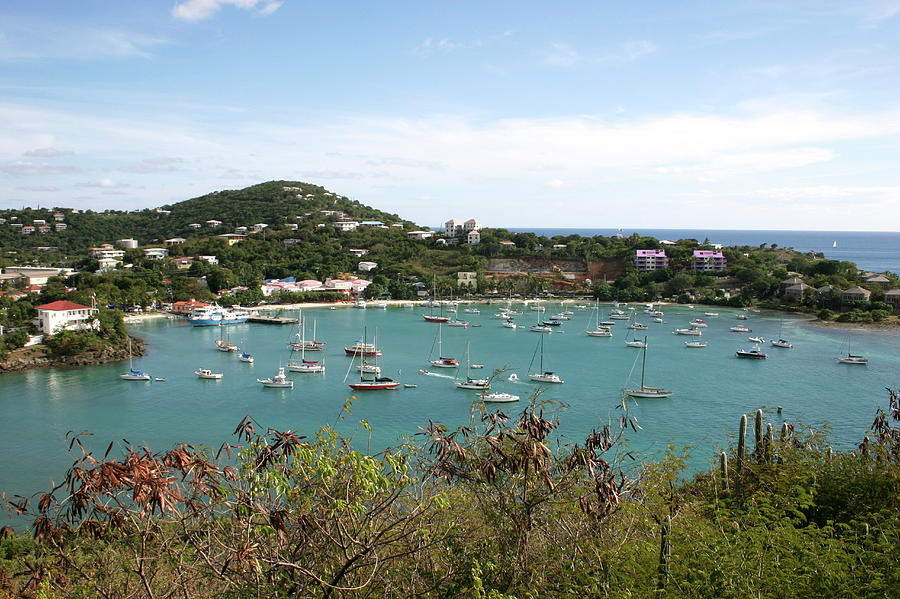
column 272, row 319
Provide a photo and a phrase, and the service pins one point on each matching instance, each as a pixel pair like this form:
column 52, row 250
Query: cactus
column 742, row 435
column 723, row 467
column 665, row 551
column 758, row 436
column 769, row 442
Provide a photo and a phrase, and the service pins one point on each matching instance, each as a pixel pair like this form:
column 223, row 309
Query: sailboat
column 431, row 317
column 693, row 343
column 634, row 341
column 599, row 330
column 834, row 245
column 781, row 341
column 223, row 344
column 304, row 365
column 645, row 391
column 132, row 374
column 441, row 361
column 308, row 345
column 852, row 359
column 375, row 383
column 470, row 383
column 544, row 376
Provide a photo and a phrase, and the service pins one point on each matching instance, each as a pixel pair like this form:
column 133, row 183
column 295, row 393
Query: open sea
column 712, row 387
column 875, row 251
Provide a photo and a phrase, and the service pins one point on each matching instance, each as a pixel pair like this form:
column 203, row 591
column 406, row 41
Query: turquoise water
column 712, row 386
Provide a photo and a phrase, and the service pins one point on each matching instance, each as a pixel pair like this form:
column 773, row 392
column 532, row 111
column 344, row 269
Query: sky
column 595, row 114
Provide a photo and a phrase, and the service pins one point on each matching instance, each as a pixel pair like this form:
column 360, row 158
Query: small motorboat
column 279, row 381
column 499, row 397
column 753, row 354
column 206, row 373
column 409, row 386
column 756, row 339
column 245, row 357
column 160, row 379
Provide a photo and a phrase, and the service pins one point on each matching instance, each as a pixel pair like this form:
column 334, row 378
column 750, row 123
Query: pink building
column 647, row 260
column 708, row 261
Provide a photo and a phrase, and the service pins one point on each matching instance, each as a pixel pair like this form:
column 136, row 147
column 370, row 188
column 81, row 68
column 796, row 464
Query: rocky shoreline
column 39, row 356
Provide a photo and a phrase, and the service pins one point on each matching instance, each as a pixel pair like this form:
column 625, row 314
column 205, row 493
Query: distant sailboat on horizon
column 834, row 245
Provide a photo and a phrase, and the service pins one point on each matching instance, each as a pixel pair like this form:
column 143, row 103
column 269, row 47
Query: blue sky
column 728, row 115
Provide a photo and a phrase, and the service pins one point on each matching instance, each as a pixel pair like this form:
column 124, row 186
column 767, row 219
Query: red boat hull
column 373, row 386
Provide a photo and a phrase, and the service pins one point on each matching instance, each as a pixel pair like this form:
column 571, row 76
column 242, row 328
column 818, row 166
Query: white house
column 213, row 223
column 452, row 228
column 472, row 225
column 359, row 253
column 208, row 259
column 473, row 238
column 420, row 234
column 59, row 315
column 175, row 241
column 367, row 266
column 155, row 253
column 259, row 227
column 346, row 225
column 128, row 244
column 106, row 251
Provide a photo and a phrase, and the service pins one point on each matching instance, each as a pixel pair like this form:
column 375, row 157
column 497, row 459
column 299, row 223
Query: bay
column 878, row 251
column 712, row 387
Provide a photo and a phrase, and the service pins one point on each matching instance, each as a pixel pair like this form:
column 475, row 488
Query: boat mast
column 644, row 363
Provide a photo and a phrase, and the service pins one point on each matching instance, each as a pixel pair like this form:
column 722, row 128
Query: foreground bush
column 499, row 508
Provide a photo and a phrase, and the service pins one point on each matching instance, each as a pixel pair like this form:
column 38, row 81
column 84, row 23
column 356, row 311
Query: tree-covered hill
column 271, row 203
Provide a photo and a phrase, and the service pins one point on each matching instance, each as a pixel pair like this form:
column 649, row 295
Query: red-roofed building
column 59, row 315
column 187, row 307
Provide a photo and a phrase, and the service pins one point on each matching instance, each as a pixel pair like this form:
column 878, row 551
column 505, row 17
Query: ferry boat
column 215, row 315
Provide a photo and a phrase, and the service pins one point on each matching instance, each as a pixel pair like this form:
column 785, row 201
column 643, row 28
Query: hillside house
column 366, row 266
column 106, row 251
column 856, row 294
column 212, row 224
column 63, row 315
column 420, row 235
column 647, row 260
column 175, row 241
column 892, row 298
column 232, row 238
column 156, row 253
column 346, row 225
column 473, row 238
column 708, row 261
column 128, row 244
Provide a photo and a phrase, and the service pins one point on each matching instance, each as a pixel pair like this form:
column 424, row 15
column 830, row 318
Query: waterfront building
column 647, row 260
column 892, row 298
column 795, row 292
column 59, row 315
column 856, row 294
column 467, row 279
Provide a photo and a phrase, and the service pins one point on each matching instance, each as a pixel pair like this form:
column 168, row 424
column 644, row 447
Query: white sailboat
column 644, row 391
column 693, row 343
column 132, row 374
column 851, row 358
column 599, row 330
column 305, row 366
column 470, row 383
column 781, row 341
column 543, row 376
column 634, row 341
column 441, row 361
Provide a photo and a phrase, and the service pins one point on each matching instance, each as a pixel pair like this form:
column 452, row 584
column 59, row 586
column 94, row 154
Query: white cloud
column 20, row 168
column 104, row 184
column 153, row 165
column 561, row 55
column 47, row 153
column 197, row 10
column 29, row 42
column 555, row 183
